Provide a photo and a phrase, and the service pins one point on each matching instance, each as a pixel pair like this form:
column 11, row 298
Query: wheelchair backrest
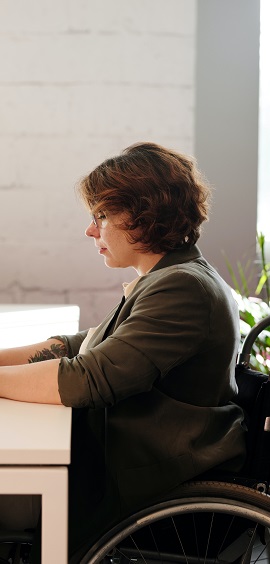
column 254, row 398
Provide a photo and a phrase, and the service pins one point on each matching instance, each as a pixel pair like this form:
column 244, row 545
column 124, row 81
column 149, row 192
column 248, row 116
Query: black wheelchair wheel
column 208, row 523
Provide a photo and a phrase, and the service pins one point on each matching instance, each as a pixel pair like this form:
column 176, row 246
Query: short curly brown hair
column 162, row 191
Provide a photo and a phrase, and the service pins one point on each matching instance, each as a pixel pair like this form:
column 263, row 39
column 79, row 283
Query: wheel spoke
column 209, row 523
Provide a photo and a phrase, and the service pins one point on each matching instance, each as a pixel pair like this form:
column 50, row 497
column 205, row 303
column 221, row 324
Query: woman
column 153, row 385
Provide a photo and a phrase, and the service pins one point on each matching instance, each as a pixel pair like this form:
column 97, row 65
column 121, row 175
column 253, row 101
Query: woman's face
column 112, row 242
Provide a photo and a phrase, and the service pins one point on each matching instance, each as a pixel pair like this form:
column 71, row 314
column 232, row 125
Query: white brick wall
column 79, row 81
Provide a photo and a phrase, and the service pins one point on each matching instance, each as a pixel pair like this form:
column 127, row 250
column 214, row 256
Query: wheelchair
column 215, row 519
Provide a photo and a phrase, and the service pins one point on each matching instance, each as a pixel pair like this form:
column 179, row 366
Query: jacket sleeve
column 71, row 342
column 166, row 325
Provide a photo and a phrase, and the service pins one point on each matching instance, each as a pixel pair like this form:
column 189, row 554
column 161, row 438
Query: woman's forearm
column 35, row 382
column 52, row 348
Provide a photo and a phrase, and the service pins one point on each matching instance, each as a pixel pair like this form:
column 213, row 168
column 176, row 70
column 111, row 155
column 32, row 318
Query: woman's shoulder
column 186, row 272
column 196, row 277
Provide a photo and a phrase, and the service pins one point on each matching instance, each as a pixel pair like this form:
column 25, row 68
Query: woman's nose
column 92, row 230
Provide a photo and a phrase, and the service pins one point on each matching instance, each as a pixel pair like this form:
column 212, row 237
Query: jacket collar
column 178, row 256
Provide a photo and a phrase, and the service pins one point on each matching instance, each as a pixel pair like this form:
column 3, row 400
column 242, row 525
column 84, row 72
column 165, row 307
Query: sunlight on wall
column 263, row 222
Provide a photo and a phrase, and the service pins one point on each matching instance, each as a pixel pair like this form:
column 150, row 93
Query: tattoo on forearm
column 55, row 351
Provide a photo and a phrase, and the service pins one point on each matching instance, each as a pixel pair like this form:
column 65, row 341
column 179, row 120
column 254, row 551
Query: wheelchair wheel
column 208, row 523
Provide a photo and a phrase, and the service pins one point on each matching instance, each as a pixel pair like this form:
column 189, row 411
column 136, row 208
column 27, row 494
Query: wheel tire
column 242, row 512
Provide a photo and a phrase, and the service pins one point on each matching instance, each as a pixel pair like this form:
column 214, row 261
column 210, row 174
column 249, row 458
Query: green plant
column 253, row 309
column 264, row 281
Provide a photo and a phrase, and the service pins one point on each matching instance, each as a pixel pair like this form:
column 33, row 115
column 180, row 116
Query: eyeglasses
column 98, row 219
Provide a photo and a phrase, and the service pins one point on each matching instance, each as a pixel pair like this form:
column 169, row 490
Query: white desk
column 34, row 455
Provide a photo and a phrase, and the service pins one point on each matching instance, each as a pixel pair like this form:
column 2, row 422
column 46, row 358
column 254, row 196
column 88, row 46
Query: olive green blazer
column 164, row 368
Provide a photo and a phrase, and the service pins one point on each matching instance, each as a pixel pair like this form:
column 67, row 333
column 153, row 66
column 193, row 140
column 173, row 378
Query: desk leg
column 52, row 483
